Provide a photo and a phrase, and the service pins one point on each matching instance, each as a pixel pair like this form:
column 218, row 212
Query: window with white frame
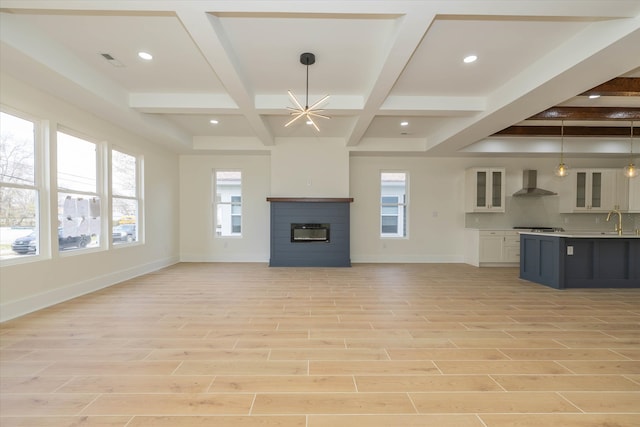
column 79, row 210
column 393, row 204
column 125, row 198
column 20, row 186
column 228, row 203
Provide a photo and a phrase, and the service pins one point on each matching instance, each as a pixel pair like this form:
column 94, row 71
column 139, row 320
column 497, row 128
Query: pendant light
column 562, row 169
column 307, row 111
column 631, row 171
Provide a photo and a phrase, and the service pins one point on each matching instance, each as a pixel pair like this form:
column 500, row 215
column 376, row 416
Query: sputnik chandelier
column 309, row 112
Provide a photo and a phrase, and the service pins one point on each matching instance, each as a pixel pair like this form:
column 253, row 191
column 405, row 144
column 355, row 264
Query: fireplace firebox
column 313, row 232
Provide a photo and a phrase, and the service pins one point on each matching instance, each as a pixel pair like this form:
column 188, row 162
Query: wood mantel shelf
column 311, row 199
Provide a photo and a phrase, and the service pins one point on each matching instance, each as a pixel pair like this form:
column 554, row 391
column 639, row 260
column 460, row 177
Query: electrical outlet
column 569, row 250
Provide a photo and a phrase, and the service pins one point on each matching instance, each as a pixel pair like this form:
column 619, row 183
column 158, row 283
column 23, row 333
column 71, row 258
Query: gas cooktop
column 539, row 229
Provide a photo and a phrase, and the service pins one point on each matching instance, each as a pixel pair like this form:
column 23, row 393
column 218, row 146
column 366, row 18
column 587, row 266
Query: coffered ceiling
column 381, row 62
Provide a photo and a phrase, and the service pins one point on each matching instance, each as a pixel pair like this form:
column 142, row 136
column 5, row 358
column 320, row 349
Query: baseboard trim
column 12, row 309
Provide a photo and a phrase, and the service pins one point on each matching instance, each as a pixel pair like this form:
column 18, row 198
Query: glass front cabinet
column 485, row 190
column 595, row 190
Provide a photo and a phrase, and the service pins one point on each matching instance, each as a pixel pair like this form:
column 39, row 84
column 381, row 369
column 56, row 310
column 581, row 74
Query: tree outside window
column 19, row 189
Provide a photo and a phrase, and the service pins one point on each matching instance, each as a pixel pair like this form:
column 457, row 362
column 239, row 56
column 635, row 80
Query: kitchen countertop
column 587, row 234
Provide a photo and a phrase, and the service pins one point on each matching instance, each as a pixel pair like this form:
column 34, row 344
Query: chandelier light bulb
column 308, row 112
column 630, row 171
column 562, row 170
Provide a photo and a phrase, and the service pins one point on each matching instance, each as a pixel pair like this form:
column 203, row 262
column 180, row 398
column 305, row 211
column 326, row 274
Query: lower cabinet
column 511, row 248
column 493, row 248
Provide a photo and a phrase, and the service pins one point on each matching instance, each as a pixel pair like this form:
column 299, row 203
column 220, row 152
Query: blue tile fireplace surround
column 310, row 232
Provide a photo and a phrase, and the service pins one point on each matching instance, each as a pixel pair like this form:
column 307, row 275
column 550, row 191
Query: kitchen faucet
column 618, row 226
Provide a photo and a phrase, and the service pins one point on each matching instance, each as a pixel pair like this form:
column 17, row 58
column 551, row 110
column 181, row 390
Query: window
column 228, row 203
column 19, row 187
column 79, row 218
column 393, row 204
column 124, row 198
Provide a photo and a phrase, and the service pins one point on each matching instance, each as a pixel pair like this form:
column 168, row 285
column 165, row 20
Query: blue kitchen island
column 580, row 260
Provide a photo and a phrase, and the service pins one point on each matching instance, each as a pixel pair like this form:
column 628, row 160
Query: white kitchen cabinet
column 594, row 191
column 491, row 244
column 511, row 247
column 485, row 190
column 492, row 247
column 634, row 194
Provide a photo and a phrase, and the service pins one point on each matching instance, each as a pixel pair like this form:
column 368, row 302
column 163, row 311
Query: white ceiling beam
column 604, row 50
column 411, row 29
column 208, row 34
column 182, row 103
column 397, row 105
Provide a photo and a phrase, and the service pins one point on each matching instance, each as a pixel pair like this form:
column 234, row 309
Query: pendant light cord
column 631, row 141
column 306, row 105
column 562, row 141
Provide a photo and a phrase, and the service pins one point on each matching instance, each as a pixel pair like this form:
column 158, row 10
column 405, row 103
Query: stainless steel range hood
column 530, row 186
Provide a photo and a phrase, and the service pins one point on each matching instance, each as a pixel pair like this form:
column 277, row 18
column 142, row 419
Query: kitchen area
column 584, row 232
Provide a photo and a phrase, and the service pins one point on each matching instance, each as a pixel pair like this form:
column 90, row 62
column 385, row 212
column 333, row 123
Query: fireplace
column 310, row 232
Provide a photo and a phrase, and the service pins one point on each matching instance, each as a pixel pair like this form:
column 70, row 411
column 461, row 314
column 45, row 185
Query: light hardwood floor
column 394, row 345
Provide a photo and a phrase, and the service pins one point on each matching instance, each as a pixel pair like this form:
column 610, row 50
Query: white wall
column 28, row 286
column 310, row 168
column 436, row 204
column 197, row 235
column 178, row 219
column 435, row 213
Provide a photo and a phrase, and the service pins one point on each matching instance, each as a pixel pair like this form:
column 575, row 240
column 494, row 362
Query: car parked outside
column 124, row 233
column 25, row 245
column 28, row 244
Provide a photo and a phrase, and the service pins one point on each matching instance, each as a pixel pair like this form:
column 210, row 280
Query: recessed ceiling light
column 469, row 59
column 404, row 123
column 594, row 96
column 145, row 55
column 309, row 122
column 213, row 121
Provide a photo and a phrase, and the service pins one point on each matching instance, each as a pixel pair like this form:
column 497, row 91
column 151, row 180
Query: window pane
column 393, row 187
column 236, row 224
column 125, row 220
column 18, row 231
column 78, row 221
column 390, row 224
column 17, row 140
column 76, row 163
column 228, row 201
column 123, row 174
column 390, row 199
column 18, row 191
column 389, row 210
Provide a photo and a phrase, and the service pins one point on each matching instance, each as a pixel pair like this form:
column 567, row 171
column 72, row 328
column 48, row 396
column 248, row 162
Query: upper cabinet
column 485, row 190
column 634, row 195
column 594, row 190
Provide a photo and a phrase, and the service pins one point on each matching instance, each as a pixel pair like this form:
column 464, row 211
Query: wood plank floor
column 393, row 345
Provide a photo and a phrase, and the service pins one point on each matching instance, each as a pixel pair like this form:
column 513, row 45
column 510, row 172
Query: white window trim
column 138, row 197
column 41, row 171
column 402, row 205
column 217, row 203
